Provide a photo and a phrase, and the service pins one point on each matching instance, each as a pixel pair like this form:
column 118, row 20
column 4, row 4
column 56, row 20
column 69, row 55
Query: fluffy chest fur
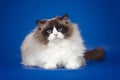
column 61, row 50
column 58, row 52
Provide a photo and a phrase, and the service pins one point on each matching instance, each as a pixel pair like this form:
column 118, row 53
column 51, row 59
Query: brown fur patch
column 95, row 54
column 38, row 33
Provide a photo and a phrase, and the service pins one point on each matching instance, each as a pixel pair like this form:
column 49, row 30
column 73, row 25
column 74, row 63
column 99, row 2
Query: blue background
column 98, row 20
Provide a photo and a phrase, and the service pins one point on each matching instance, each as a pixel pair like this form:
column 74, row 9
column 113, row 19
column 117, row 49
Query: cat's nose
column 56, row 34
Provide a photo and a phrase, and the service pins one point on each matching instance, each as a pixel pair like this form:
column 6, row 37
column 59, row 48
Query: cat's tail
column 95, row 54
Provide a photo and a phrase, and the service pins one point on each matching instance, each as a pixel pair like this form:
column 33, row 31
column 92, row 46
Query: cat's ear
column 39, row 23
column 64, row 17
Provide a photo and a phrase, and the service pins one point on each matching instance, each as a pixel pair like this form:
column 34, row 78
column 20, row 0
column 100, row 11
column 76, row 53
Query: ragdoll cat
column 54, row 43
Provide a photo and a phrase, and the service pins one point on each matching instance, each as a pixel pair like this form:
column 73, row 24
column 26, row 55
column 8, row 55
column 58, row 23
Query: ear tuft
column 39, row 22
column 65, row 16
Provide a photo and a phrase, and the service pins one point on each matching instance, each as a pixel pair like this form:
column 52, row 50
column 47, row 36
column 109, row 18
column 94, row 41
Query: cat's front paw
column 72, row 65
column 49, row 66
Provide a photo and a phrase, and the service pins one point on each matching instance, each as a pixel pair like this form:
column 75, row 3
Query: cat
column 54, row 43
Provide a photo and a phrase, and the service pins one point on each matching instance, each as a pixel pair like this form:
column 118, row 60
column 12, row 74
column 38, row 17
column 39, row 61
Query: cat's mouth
column 56, row 38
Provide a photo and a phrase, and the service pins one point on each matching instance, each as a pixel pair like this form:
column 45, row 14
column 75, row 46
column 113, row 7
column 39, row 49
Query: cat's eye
column 49, row 31
column 60, row 29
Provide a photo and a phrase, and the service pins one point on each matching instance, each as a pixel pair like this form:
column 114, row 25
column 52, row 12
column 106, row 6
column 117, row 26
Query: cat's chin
column 55, row 40
column 58, row 38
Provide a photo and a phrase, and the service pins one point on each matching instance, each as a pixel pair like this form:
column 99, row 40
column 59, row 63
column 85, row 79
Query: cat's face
column 58, row 28
column 55, row 33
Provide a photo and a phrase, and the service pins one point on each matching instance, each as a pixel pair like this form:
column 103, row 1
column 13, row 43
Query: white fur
column 68, row 52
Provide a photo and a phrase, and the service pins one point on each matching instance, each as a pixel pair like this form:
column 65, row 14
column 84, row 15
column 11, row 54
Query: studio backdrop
column 98, row 21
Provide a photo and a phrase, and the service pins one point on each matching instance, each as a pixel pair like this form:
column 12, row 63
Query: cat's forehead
column 53, row 22
column 57, row 21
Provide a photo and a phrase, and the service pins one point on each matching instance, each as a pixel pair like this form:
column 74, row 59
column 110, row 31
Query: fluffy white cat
column 54, row 43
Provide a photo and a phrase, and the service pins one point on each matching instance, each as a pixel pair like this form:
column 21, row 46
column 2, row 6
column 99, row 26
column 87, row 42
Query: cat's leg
column 72, row 65
column 29, row 62
column 50, row 65
column 75, row 64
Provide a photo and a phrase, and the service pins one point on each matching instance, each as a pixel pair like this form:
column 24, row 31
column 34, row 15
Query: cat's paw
column 49, row 66
column 72, row 65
